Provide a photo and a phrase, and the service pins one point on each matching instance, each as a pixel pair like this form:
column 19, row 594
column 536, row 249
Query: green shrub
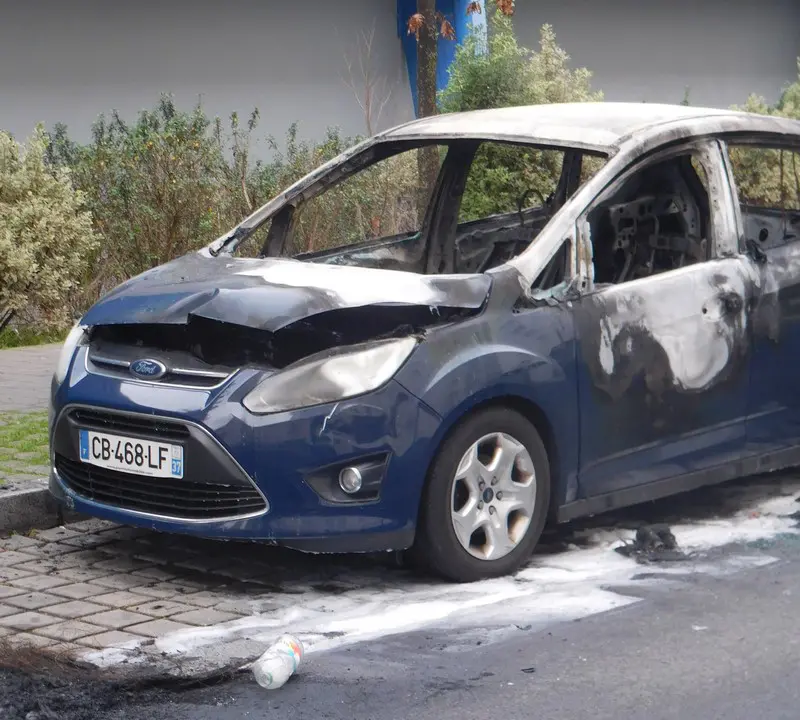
column 511, row 75
column 153, row 189
column 45, row 235
column 770, row 177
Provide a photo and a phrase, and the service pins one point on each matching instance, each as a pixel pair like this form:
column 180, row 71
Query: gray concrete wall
column 643, row 50
column 69, row 61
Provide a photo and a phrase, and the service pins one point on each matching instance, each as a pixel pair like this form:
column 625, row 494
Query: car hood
column 272, row 293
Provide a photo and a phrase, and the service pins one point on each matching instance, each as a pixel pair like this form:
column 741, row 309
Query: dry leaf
column 415, row 23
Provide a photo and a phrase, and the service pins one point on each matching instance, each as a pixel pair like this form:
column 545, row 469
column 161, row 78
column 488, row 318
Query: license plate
column 130, row 455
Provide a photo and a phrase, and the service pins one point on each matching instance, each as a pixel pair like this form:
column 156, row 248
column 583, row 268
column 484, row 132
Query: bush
column 45, row 235
column 511, row 75
column 770, row 177
column 153, row 189
column 172, row 182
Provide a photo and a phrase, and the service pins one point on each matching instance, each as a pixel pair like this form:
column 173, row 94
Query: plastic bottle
column 278, row 663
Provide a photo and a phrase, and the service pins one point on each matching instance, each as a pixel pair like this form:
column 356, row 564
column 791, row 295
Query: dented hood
column 272, row 293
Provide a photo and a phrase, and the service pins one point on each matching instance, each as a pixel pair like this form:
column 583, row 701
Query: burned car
column 454, row 332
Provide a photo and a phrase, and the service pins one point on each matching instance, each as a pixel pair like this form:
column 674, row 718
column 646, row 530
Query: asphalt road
column 714, row 640
column 710, row 647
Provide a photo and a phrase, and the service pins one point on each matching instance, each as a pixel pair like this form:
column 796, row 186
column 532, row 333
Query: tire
column 451, row 479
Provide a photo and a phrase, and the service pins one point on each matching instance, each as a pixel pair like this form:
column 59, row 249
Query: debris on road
column 278, row 663
column 653, row 543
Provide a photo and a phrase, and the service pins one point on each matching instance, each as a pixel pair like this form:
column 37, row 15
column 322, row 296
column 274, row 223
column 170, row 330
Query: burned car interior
column 659, row 220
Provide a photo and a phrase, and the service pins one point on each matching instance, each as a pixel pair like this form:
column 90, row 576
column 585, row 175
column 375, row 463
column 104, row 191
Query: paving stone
column 38, row 582
column 70, row 630
column 28, row 620
column 204, row 616
column 246, row 607
column 121, row 599
column 80, row 558
column 33, row 600
column 203, row 599
column 10, row 573
column 157, row 628
column 160, row 590
column 20, row 542
column 116, row 619
column 57, row 533
column 93, row 525
column 75, row 609
column 41, row 566
column 6, row 610
column 114, row 638
column 78, row 574
column 163, row 556
column 7, row 591
column 162, row 608
column 155, row 573
column 28, row 640
column 120, row 582
column 14, row 557
column 56, row 549
column 120, row 564
column 87, row 541
column 204, row 564
column 79, row 591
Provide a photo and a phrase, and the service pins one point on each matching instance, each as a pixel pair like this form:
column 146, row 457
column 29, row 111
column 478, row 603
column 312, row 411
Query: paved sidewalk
column 93, row 585
column 25, row 375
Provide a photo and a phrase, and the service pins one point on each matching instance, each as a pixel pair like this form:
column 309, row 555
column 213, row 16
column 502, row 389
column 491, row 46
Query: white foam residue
column 697, row 344
column 351, row 285
column 563, row 586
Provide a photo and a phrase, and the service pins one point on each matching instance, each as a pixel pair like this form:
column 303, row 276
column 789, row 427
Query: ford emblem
column 148, row 369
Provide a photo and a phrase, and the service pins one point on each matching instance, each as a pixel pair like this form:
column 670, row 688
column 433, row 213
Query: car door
column 765, row 176
column 664, row 356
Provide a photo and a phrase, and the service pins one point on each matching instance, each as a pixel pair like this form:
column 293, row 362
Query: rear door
column 766, row 178
column 664, row 355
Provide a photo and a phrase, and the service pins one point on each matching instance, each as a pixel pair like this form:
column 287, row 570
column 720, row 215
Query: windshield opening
column 462, row 206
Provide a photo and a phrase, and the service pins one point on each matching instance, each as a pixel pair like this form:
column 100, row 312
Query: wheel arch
column 532, row 412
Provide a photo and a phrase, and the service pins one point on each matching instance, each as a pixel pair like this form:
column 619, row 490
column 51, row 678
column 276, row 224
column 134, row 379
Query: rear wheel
column 486, row 498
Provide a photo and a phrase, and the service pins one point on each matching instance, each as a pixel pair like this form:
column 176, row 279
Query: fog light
column 350, row 480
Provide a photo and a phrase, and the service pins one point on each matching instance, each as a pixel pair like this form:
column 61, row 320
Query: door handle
column 731, row 303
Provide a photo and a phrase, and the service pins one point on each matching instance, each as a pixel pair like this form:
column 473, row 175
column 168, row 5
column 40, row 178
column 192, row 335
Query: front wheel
column 486, row 499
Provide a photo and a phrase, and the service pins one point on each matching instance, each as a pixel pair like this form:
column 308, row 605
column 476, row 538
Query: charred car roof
column 601, row 126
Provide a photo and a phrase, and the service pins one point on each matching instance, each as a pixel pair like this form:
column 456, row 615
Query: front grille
column 184, row 377
column 129, row 424
column 158, row 496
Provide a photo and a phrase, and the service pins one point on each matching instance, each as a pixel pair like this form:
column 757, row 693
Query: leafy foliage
column 510, row 75
column 770, row 177
column 386, row 199
column 45, row 235
column 152, row 187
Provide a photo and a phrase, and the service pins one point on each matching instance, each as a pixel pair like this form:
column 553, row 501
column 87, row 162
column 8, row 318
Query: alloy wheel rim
column 493, row 496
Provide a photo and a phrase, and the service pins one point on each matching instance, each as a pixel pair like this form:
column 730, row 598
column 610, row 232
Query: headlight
column 76, row 337
column 331, row 377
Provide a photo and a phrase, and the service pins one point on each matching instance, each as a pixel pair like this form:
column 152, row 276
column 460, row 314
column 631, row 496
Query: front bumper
column 268, row 478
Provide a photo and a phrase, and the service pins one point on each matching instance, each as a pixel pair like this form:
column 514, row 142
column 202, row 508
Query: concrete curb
column 23, row 510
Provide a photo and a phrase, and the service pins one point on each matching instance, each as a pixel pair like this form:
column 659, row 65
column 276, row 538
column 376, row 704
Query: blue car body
column 638, row 390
